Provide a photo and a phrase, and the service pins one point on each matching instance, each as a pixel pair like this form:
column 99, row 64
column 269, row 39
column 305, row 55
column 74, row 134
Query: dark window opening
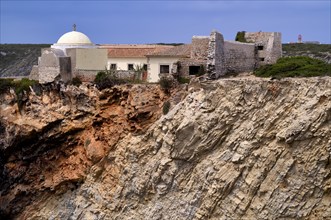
column 145, row 67
column 164, row 68
column 130, row 67
column 194, row 70
column 261, row 59
column 113, row 66
column 260, row 47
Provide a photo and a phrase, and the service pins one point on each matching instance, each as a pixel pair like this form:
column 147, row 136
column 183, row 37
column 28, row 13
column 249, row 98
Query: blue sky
column 122, row 22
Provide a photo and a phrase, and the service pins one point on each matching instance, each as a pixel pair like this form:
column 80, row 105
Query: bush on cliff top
column 295, row 67
column 166, row 84
column 19, row 86
column 107, row 79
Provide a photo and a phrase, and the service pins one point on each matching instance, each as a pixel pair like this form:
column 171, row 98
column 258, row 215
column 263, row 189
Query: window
column 113, row 66
column 164, row 68
column 130, row 67
column 194, row 70
column 261, row 58
column 260, row 47
column 145, row 67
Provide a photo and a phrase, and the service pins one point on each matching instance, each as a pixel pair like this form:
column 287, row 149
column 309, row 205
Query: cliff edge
column 240, row 148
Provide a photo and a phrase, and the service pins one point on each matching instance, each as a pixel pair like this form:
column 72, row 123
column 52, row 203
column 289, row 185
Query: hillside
column 236, row 148
column 18, row 59
column 318, row 51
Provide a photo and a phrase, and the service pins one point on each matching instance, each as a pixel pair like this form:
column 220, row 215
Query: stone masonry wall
column 215, row 58
column 85, row 75
column 199, row 48
column 34, row 74
column 65, row 69
column 271, row 43
column 185, row 64
column 239, row 57
column 49, row 66
column 198, row 56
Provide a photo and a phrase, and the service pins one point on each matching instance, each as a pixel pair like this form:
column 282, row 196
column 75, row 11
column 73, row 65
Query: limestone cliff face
column 232, row 149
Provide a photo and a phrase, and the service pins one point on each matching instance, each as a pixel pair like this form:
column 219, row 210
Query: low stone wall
column 199, row 47
column 239, row 57
column 89, row 75
column 85, row 75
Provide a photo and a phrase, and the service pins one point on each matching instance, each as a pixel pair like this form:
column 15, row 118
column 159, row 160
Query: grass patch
column 183, row 80
column 295, row 67
column 311, row 48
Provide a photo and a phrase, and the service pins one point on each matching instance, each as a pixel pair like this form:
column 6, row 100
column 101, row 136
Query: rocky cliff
column 241, row 148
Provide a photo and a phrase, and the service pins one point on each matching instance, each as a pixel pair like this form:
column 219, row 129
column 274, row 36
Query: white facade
column 122, row 63
column 155, row 66
column 153, row 63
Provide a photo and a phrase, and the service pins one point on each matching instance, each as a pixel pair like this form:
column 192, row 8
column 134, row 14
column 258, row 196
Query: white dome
column 74, row 38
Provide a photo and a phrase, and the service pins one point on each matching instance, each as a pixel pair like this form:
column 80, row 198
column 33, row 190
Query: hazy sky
column 155, row 21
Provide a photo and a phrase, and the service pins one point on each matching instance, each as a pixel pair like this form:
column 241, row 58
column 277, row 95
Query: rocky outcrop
column 232, row 149
column 49, row 144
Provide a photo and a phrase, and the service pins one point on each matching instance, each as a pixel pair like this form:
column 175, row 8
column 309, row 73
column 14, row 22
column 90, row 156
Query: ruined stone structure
column 268, row 46
column 240, row 57
column 219, row 57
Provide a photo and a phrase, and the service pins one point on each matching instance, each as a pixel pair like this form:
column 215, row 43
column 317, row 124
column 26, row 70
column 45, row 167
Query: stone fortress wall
column 268, row 44
column 239, row 57
column 220, row 57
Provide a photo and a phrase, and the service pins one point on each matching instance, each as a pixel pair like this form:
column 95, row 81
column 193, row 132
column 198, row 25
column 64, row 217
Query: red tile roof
column 177, row 51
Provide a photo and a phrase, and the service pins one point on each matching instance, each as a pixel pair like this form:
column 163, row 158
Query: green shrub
column 107, row 79
column 295, row 66
column 241, row 36
column 76, row 81
column 166, row 107
column 23, row 85
column 166, row 84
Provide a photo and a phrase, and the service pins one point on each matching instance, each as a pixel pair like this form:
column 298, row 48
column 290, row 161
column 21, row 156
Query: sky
column 157, row 21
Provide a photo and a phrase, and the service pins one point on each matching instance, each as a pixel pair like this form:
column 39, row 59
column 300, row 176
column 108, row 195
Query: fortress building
column 74, row 55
